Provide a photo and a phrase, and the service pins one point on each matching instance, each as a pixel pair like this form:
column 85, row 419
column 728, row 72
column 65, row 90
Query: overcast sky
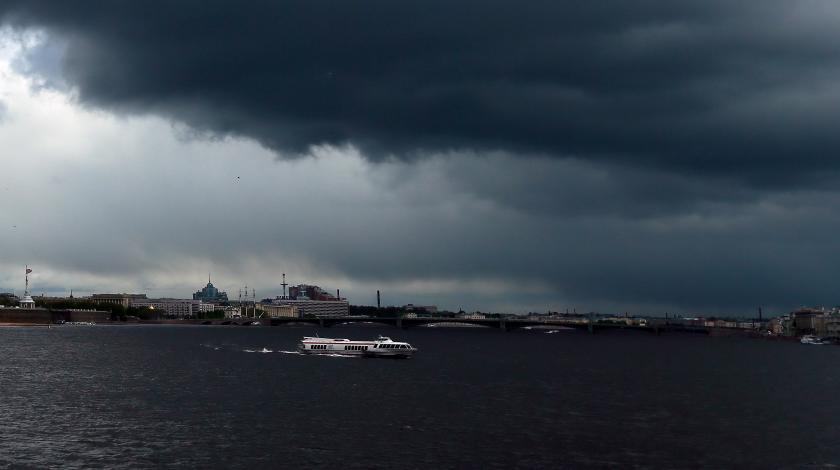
column 643, row 156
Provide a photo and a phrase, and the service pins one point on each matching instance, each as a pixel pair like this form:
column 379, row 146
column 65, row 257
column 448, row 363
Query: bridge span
column 504, row 324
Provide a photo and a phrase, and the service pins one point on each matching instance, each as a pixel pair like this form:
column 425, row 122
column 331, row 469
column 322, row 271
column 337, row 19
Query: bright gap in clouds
column 96, row 202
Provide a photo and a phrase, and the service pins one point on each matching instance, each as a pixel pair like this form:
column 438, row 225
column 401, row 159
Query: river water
column 205, row 397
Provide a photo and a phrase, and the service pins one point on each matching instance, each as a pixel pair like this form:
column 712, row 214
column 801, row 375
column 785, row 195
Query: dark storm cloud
column 745, row 89
column 611, row 153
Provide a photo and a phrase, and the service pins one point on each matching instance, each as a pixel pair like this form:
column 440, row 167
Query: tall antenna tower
column 246, row 302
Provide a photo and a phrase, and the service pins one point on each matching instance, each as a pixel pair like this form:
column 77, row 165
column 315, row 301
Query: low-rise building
column 421, row 309
column 807, row 321
column 832, row 326
column 472, row 316
column 116, row 299
column 318, row 308
column 179, row 308
column 279, row 311
column 231, row 311
column 204, row 307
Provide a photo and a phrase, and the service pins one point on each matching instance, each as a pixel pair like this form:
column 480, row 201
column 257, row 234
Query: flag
column 28, row 270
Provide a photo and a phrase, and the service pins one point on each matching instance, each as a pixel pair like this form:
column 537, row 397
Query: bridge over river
column 505, row 324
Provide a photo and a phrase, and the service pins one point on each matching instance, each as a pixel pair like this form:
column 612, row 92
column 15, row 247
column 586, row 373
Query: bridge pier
column 503, row 325
column 590, row 327
column 399, row 323
column 321, row 322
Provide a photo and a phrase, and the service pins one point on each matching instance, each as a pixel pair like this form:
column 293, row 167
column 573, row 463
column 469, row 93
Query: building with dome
column 210, row 294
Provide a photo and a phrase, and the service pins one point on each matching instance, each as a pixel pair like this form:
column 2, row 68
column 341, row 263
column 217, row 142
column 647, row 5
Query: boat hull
column 389, row 354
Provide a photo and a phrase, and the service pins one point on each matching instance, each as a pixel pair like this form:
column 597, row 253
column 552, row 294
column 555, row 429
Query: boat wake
column 263, row 350
column 296, row 353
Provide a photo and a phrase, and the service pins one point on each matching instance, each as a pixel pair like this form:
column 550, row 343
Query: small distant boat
column 383, row 346
column 811, row 339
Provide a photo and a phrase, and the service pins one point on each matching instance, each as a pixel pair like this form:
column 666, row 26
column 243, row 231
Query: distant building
column 205, row 307
column 776, row 326
column 472, row 316
column 9, row 295
column 832, row 326
column 318, row 308
column 118, row 299
column 210, row 293
column 807, row 321
column 179, row 308
column 279, row 311
column 307, row 292
column 232, row 312
column 420, row 308
column 8, row 298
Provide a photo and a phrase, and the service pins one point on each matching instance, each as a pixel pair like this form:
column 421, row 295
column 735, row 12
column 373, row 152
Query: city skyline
column 644, row 157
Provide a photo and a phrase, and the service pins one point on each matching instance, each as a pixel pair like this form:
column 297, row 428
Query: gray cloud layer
column 616, row 153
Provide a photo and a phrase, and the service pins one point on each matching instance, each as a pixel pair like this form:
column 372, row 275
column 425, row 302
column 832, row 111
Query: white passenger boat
column 380, row 347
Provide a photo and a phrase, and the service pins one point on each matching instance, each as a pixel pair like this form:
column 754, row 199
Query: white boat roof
column 381, row 339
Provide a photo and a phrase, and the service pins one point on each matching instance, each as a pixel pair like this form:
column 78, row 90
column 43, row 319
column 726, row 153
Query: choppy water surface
column 237, row 397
